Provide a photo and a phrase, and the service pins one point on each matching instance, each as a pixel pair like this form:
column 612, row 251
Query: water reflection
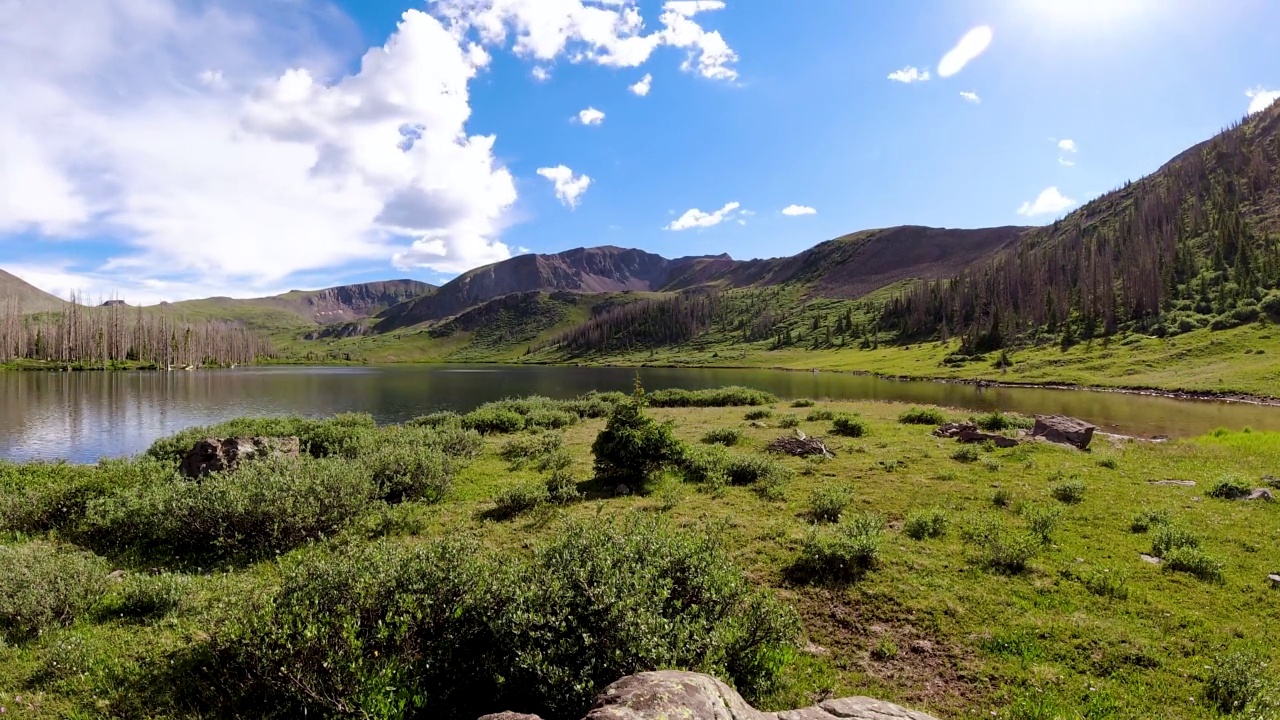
column 83, row 416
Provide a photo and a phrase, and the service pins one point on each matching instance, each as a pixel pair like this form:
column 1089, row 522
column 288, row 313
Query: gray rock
column 1179, row 483
column 1261, row 494
column 510, row 716
column 1063, row 429
column 221, row 454
column 1275, row 580
column 1151, row 559
column 672, row 695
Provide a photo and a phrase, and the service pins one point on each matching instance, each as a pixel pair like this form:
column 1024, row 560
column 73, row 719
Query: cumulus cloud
column 909, row 74
column 1048, row 202
column 1067, row 145
column 605, row 32
column 970, row 97
column 569, row 187
column 540, row 73
column 1065, row 162
column 974, row 43
column 695, row 218
column 1260, row 99
column 643, row 87
column 590, row 116
column 795, row 210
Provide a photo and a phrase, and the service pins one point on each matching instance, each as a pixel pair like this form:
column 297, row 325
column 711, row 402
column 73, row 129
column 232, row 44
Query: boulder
column 975, row 436
column 221, row 454
column 1261, row 494
column 1063, row 429
column 671, row 694
column 510, row 716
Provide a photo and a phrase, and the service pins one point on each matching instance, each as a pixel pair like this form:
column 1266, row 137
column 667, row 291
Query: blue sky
column 173, row 149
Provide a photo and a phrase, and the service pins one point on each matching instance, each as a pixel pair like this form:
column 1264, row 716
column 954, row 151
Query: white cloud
column 643, row 87
column 970, row 96
column 794, row 210
column 1066, row 145
column 569, row 187
column 1049, row 202
column 689, row 8
column 1260, row 99
column 540, row 73
column 1065, row 162
column 213, row 79
column 605, row 32
column 909, row 74
column 973, row 44
column 696, row 218
column 590, row 116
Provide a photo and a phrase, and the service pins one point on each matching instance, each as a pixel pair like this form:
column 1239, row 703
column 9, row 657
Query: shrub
column 1271, row 306
column 820, row 416
column 922, row 416
column 521, row 451
column 1070, row 492
column 1148, row 519
column 1238, row 682
column 263, row 507
column 1167, row 537
column 1002, row 498
column 447, row 630
column 924, row 524
column 722, row 436
column 802, row 403
column 46, row 585
column 705, row 465
column 594, row 404
column 562, row 487
column 884, row 650
column 843, row 552
column 493, row 421
column 1104, row 583
column 998, row 421
column 409, row 472
column 321, row 438
column 786, row 422
column 38, row 496
column 828, row 503
column 1001, row 548
column 519, row 500
column 734, row 396
column 141, row 596
column 760, row 414
column 633, row 447
column 446, row 418
column 1042, row 521
column 1194, row 561
column 548, row 419
column 1109, row 463
column 1229, row 488
column 966, row 454
column 848, row 425
column 744, row 469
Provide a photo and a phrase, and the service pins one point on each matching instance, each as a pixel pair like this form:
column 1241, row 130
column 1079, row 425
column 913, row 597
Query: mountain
column 29, row 298
column 298, row 309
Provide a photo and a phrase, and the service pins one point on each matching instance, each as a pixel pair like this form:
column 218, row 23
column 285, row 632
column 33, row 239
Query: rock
column 1275, row 580
column 1261, row 494
column 510, row 716
column 116, row 575
column 1271, row 480
column 1179, row 483
column 220, row 454
column 1063, row 429
column 670, row 694
column 1151, row 559
column 622, row 490
column 950, row 430
column 974, row 436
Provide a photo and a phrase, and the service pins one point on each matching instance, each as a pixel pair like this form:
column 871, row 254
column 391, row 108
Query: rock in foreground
column 1063, row 429
column 672, row 695
column 222, row 454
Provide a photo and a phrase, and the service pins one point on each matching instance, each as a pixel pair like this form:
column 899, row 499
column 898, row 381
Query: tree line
column 115, row 334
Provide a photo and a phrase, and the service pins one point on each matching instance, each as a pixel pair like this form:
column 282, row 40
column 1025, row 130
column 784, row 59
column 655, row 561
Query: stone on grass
column 224, row 454
column 1063, row 429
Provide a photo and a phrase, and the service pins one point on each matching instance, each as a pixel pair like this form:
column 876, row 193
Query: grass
column 1080, row 626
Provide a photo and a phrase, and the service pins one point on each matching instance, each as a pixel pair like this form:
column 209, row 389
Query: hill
column 27, row 297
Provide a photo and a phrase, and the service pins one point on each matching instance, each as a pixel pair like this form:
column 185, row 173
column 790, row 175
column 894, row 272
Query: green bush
column 1168, row 537
column 924, row 524
column 1070, row 492
column 1194, row 561
column 1239, row 682
column 408, row 471
column 760, row 414
column 594, row 404
column 562, row 487
column 742, row 469
column 1002, row 497
column 263, row 507
column 519, row 500
column 1042, row 521
column 884, row 650
column 922, row 416
column 493, row 421
column 1230, row 487
column 848, row 425
column 844, row 551
column 633, row 447
column 38, row 496
column 140, row 596
column 998, row 421
column 705, row 465
column 321, row 438
column 525, row 449
column 828, row 503
column 723, row 436
column 966, row 454
column 446, row 630
column 787, row 422
column 1109, row 463
column 733, row 396
column 1104, row 583
column 1001, row 548
column 1147, row 519
column 802, row 403
column 820, row 416
column 46, row 585
column 443, row 419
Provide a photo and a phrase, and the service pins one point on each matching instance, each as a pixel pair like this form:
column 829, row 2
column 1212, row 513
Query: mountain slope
column 300, row 309
column 27, row 297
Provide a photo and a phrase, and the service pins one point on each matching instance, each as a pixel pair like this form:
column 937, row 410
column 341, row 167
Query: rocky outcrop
column 222, row 454
column 1063, row 429
column 675, row 695
column 969, row 433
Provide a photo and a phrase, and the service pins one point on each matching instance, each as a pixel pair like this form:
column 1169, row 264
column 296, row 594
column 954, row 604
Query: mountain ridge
column 28, row 297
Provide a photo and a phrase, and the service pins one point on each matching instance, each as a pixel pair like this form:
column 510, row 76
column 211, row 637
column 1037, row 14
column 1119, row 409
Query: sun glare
column 1105, row 12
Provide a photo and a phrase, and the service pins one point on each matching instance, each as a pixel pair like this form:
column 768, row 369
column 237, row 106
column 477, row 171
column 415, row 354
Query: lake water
column 83, row 416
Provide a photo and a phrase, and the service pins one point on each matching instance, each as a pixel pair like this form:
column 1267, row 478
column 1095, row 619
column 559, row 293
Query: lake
column 83, row 416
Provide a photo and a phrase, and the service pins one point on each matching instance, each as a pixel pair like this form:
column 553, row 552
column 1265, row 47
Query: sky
column 171, row 149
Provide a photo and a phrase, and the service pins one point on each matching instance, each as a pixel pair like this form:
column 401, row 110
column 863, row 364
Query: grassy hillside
column 25, row 296
column 965, row 581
